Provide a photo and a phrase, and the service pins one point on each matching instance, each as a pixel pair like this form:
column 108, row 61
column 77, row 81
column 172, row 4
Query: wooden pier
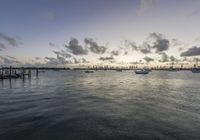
column 23, row 72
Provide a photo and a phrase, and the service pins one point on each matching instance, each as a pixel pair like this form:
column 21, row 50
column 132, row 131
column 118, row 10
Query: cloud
column 8, row 40
column 110, row 58
column 172, row 58
column 94, row 47
column 180, row 49
column 129, row 44
column 62, row 53
column 115, row 53
column 11, row 57
column 62, row 60
column 175, row 42
column 76, row 61
column 84, row 60
column 135, row 62
column 160, row 43
column 194, row 51
column 51, row 44
column 164, row 57
column 2, row 46
column 51, row 61
column 125, row 53
column 38, row 58
column 74, row 47
column 9, row 60
column 145, row 48
column 148, row 59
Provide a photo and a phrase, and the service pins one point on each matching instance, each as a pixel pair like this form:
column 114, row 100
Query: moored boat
column 195, row 70
column 89, row 71
column 142, row 71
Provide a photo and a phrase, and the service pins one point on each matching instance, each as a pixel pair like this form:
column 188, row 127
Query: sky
column 98, row 32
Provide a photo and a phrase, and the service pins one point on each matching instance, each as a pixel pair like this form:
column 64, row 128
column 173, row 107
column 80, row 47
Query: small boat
column 172, row 70
column 89, row 71
column 118, row 70
column 195, row 70
column 142, row 71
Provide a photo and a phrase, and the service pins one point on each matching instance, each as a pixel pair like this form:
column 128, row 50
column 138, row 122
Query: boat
column 195, row 70
column 142, row 71
column 89, row 71
column 118, row 70
column 172, row 70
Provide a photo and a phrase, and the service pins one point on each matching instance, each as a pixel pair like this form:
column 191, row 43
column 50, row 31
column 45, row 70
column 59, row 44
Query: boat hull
column 195, row 71
column 141, row 72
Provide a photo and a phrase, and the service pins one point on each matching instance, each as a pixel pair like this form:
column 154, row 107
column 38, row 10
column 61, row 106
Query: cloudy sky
column 85, row 32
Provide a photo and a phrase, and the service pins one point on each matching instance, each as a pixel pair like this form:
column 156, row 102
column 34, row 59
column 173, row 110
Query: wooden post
column 37, row 72
column 10, row 73
column 23, row 72
column 2, row 73
column 29, row 73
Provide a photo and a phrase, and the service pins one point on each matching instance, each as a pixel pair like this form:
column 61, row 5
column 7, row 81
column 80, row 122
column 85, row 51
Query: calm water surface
column 72, row 105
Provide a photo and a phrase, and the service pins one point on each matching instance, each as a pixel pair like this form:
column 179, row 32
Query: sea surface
column 104, row 105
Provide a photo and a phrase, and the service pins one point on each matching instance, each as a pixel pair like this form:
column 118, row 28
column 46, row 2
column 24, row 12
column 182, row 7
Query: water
column 72, row 105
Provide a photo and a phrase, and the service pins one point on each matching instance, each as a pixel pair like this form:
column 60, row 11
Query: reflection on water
column 101, row 105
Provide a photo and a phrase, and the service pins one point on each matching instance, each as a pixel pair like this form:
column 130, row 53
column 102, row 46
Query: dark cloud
column 130, row 44
column 164, row 57
column 160, row 43
column 109, row 58
column 148, row 59
column 172, row 58
column 194, row 51
column 180, row 49
column 125, row 53
column 9, row 60
column 76, row 61
column 51, row 44
column 62, row 53
column 56, row 52
column 94, row 47
column 51, row 61
column 135, row 62
column 145, row 48
column 8, row 40
column 74, row 47
column 115, row 53
column 38, row 58
column 62, row 60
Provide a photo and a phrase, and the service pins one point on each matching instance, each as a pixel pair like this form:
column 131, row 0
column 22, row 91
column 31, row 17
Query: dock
column 23, row 72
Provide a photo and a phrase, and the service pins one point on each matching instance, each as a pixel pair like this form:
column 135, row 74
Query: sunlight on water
column 101, row 105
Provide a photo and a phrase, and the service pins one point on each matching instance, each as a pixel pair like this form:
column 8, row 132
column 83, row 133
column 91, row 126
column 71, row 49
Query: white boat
column 142, row 71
